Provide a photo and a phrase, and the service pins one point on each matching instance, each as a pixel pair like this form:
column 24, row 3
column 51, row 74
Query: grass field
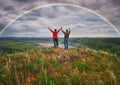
column 8, row 47
column 30, row 64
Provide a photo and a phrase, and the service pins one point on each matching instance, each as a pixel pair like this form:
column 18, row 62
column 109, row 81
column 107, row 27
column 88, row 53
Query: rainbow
column 61, row 4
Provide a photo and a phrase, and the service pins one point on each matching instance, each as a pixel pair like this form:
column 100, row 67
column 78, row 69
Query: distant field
column 111, row 45
column 8, row 47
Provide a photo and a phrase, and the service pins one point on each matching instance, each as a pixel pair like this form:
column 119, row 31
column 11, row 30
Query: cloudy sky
column 81, row 22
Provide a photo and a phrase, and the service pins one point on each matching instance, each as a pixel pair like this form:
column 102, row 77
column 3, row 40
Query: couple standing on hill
column 55, row 36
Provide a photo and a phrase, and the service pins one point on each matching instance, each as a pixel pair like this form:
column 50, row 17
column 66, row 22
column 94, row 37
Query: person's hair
column 55, row 29
column 66, row 30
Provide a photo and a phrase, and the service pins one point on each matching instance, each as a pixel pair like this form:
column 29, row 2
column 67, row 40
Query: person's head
column 55, row 29
column 66, row 30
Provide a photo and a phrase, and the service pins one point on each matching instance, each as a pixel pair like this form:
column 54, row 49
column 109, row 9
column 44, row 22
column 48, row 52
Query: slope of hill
column 56, row 66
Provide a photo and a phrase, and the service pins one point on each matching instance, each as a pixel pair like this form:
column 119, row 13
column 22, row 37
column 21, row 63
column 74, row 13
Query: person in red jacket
column 55, row 36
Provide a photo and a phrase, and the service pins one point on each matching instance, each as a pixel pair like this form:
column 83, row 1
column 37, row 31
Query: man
column 55, row 36
column 66, row 37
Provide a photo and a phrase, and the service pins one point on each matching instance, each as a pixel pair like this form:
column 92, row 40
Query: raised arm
column 59, row 29
column 69, row 31
column 62, row 30
column 50, row 29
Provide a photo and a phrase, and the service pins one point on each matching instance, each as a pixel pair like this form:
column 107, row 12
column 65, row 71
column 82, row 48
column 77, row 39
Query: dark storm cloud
column 25, row 1
column 20, row 30
column 2, row 6
column 9, row 8
column 20, row 0
column 116, row 2
column 35, row 13
column 29, row 18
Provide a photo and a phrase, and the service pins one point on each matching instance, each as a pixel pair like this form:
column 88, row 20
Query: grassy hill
column 56, row 66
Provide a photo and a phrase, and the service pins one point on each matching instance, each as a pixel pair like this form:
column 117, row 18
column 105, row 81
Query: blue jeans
column 65, row 43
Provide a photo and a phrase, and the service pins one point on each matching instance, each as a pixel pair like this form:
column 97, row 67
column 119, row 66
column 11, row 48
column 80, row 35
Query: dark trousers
column 55, row 40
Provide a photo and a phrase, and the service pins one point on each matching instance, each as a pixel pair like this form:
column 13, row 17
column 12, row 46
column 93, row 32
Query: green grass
column 9, row 47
